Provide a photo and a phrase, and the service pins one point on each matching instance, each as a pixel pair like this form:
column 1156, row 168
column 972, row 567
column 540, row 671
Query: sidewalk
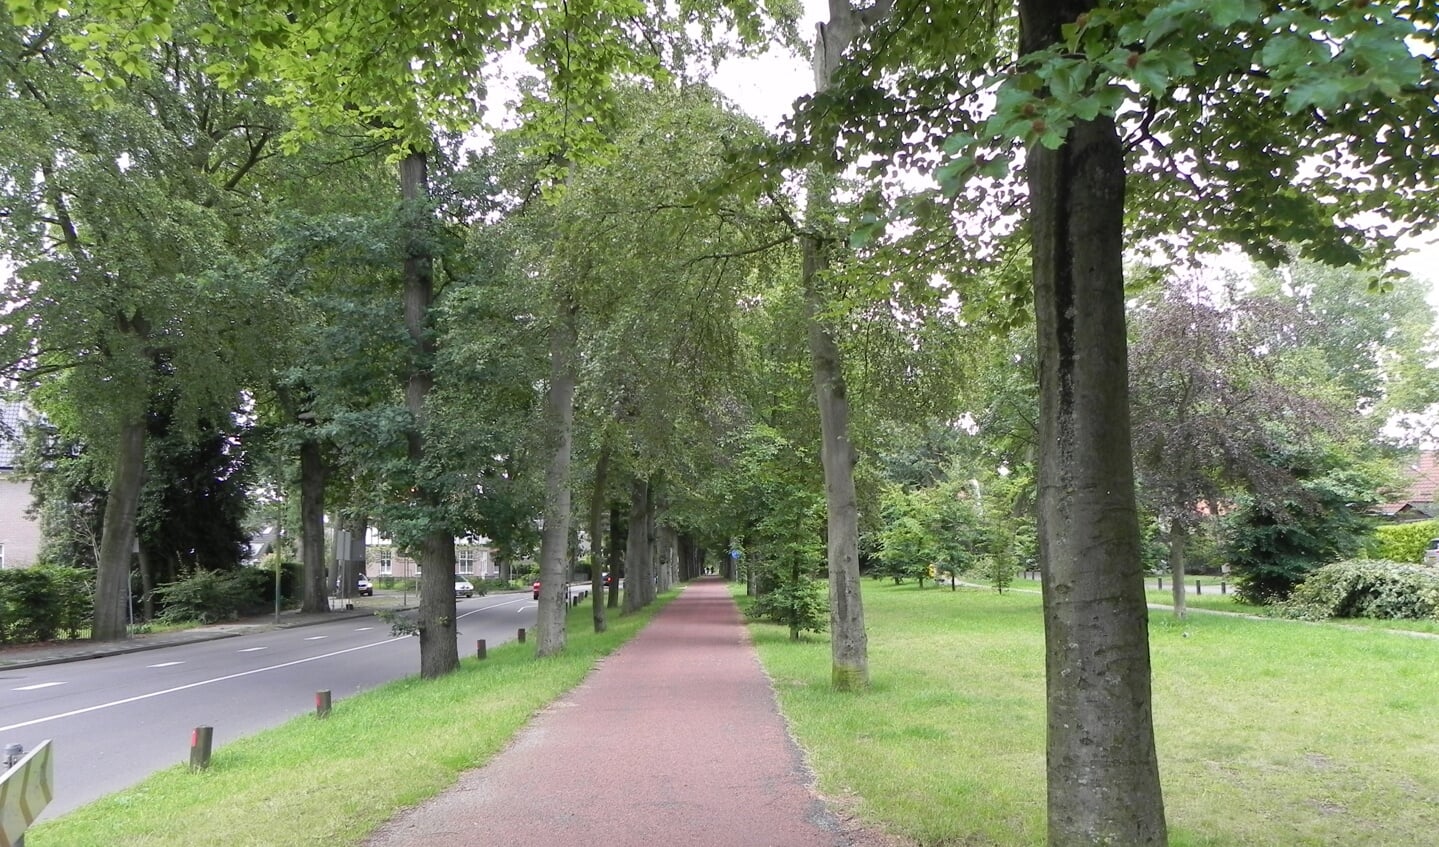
column 673, row 741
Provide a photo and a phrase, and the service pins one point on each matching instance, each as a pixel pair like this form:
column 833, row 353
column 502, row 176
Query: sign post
column 25, row 790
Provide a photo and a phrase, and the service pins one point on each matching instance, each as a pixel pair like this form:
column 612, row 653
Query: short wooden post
column 322, row 704
column 1159, row 580
column 522, row 635
column 1198, row 587
column 480, row 649
column 1223, row 588
column 202, row 739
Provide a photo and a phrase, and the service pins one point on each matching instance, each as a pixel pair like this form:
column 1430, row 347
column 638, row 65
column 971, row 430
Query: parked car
column 363, row 588
column 1431, row 552
column 463, row 588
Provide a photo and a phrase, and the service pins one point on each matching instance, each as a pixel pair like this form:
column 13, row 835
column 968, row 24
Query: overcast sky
column 767, row 86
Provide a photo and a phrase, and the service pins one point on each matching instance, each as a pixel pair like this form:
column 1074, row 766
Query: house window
column 386, row 563
column 466, row 560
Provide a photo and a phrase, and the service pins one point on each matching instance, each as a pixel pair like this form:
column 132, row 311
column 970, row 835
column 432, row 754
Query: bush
column 1366, row 588
column 798, row 604
column 1403, row 542
column 37, row 604
column 210, row 596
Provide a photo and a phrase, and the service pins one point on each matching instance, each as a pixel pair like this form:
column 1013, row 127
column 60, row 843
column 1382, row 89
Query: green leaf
column 1086, row 109
column 958, row 142
column 1151, row 75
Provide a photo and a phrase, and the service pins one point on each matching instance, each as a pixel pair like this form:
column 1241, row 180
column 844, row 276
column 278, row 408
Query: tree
column 1211, row 406
column 1103, row 769
column 131, row 296
column 1273, row 543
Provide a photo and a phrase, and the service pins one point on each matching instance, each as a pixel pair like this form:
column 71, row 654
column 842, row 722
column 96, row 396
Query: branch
column 738, row 253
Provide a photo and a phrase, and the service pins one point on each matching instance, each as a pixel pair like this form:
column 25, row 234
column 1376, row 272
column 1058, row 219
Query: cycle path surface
column 673, row 740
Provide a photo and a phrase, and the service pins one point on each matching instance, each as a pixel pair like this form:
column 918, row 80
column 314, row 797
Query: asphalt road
column 116, row 720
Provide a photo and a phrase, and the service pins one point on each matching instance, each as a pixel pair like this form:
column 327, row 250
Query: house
column 19, row 532
column 383, row 558
column 1418, row 498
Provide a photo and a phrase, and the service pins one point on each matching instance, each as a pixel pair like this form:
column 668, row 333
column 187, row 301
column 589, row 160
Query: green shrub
column 75, row 598
column 1365, row 588
column 1404, row 542
column 209, row 596
column 40, row 603
column 797, row 603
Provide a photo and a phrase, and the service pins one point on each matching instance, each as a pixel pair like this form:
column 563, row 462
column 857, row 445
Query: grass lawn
column 1270, row 732
column 335, row 780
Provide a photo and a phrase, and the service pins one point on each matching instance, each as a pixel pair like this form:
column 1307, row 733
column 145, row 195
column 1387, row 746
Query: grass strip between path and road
column 332, row 781
column 1270, row 732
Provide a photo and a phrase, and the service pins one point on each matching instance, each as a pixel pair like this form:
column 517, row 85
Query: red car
column 536, row 588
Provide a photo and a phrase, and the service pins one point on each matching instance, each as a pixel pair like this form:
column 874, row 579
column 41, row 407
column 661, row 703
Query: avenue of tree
column 278, row 262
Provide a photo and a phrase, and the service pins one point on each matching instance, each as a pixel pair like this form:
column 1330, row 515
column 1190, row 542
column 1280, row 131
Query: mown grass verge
column 335, row 780
column 1270, row 732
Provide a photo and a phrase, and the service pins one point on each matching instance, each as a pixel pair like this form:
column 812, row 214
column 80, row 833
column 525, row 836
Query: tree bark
column 314, row 595
column 849, row 645
column 1103, row 773
column 596, row 530
column 555, row 536
column 617, row 556
column 1178, row 542
column 439, row 652
column 637, row 553
column 112, row 577
column 147, row 584
column 353, row 561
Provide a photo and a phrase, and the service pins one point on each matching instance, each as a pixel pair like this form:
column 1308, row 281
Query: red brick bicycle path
column 675, row 740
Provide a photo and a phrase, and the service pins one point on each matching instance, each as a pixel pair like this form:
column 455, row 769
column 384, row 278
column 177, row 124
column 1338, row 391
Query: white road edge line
column 178, row 688
column 495, row 606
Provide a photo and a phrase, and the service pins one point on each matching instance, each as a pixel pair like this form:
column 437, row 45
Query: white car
column 463, row 588
column 1431, row 552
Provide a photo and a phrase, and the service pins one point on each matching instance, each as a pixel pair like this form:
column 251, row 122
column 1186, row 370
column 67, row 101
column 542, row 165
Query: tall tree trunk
column 849, row 645
column 637, row 553
column 353, row 558
column 596, row 530
column 616, row 556
column 1178, row 542
column 314, row 595
column 554, row 538
column 690, row 557
column 1103, row 774
column 665, row 553
column 147, row 583
column 117, row 540
column 439, row 652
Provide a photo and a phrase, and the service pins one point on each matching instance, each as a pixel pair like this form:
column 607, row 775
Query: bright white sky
column 767, row 86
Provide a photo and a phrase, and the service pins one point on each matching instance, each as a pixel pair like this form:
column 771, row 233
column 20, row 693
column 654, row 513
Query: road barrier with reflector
column 25, row 790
